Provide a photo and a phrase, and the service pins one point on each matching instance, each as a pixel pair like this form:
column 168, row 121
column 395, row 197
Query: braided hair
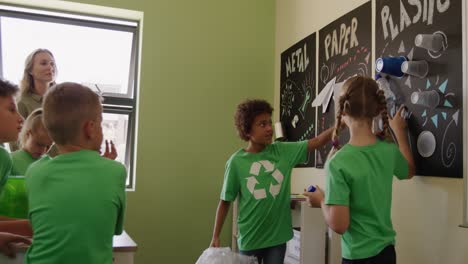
column 385, row 133
column 360, row 98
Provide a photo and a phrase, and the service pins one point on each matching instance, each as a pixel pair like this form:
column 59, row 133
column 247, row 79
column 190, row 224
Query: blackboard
column 297, row 91
column 397, row 24
column 345, row 48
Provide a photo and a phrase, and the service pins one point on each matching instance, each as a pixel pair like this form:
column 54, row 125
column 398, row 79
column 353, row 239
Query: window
column 98, row 52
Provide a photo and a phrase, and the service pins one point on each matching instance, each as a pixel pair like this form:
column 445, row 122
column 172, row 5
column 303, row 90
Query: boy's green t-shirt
column 361, row 177
column 262, row 181
column 21, row 161
column 5, row 167
column 76, row 205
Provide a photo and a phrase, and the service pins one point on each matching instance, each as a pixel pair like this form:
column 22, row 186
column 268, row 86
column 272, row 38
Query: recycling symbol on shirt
column 274, row 189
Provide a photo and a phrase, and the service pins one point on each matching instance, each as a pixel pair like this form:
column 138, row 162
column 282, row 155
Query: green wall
column 199, row 59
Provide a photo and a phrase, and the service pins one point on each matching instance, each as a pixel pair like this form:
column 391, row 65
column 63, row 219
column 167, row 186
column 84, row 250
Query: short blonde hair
column 66, row 106
column 34, row 124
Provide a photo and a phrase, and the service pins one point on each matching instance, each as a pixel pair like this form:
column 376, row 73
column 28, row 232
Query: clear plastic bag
column 224, row 255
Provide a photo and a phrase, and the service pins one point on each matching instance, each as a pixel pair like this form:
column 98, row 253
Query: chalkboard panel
column 345, row 48
column 297, row 92
column 436, row 133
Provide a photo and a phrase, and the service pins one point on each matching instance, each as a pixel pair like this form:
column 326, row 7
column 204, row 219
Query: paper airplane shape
column 325, row 95
column 337, row 90
column 323, row 98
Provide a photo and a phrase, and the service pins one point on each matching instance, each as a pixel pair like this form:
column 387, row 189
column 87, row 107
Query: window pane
column 68, row 15
column 83, row 54
column 115, row 128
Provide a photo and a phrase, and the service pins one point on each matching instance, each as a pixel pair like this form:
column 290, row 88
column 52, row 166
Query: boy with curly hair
column 260, row 175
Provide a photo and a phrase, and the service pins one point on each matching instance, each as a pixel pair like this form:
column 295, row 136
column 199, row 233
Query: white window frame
column 113, row 103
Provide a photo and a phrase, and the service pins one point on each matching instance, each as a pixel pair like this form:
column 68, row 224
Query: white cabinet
column 124, row 249
column 311, row 242
column 312, row 230
column 318, row 243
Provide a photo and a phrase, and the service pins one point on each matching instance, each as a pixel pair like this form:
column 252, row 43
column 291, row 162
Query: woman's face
column 43, row 69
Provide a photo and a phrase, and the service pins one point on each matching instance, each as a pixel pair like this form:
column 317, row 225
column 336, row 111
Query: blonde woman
column 39, row 74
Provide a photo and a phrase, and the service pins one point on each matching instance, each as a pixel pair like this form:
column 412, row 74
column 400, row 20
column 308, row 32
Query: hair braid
column 384, row 115
column 335, row 137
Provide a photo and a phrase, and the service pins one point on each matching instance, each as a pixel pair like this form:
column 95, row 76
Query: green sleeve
column 296, row 152
column 231, row 185
column 400, row 169
column 338, row 189
column 123, row 202
column 5, row 167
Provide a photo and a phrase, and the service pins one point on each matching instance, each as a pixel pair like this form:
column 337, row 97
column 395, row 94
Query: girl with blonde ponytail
column 358, row 198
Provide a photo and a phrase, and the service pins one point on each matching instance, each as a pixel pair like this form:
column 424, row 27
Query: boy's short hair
column 246, row 113
column 66, row 106
column 7, row 88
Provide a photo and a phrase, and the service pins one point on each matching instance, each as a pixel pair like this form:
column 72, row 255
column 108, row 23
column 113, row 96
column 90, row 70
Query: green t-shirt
column 5, row 167
column 361, row 178
column 76, row 204
column 21, row 161
column 262, row 181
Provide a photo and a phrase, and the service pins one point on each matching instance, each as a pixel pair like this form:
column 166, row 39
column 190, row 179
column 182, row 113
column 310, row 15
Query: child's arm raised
column 399, row 126
column 320, row 140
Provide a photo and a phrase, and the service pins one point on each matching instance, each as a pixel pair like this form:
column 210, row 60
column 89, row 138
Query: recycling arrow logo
column 274, row 189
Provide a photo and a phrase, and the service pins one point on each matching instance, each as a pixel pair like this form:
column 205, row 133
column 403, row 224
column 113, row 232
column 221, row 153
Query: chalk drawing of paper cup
column 415, row 68
column 429, row 99
column 390, row 65
column 426, row 144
